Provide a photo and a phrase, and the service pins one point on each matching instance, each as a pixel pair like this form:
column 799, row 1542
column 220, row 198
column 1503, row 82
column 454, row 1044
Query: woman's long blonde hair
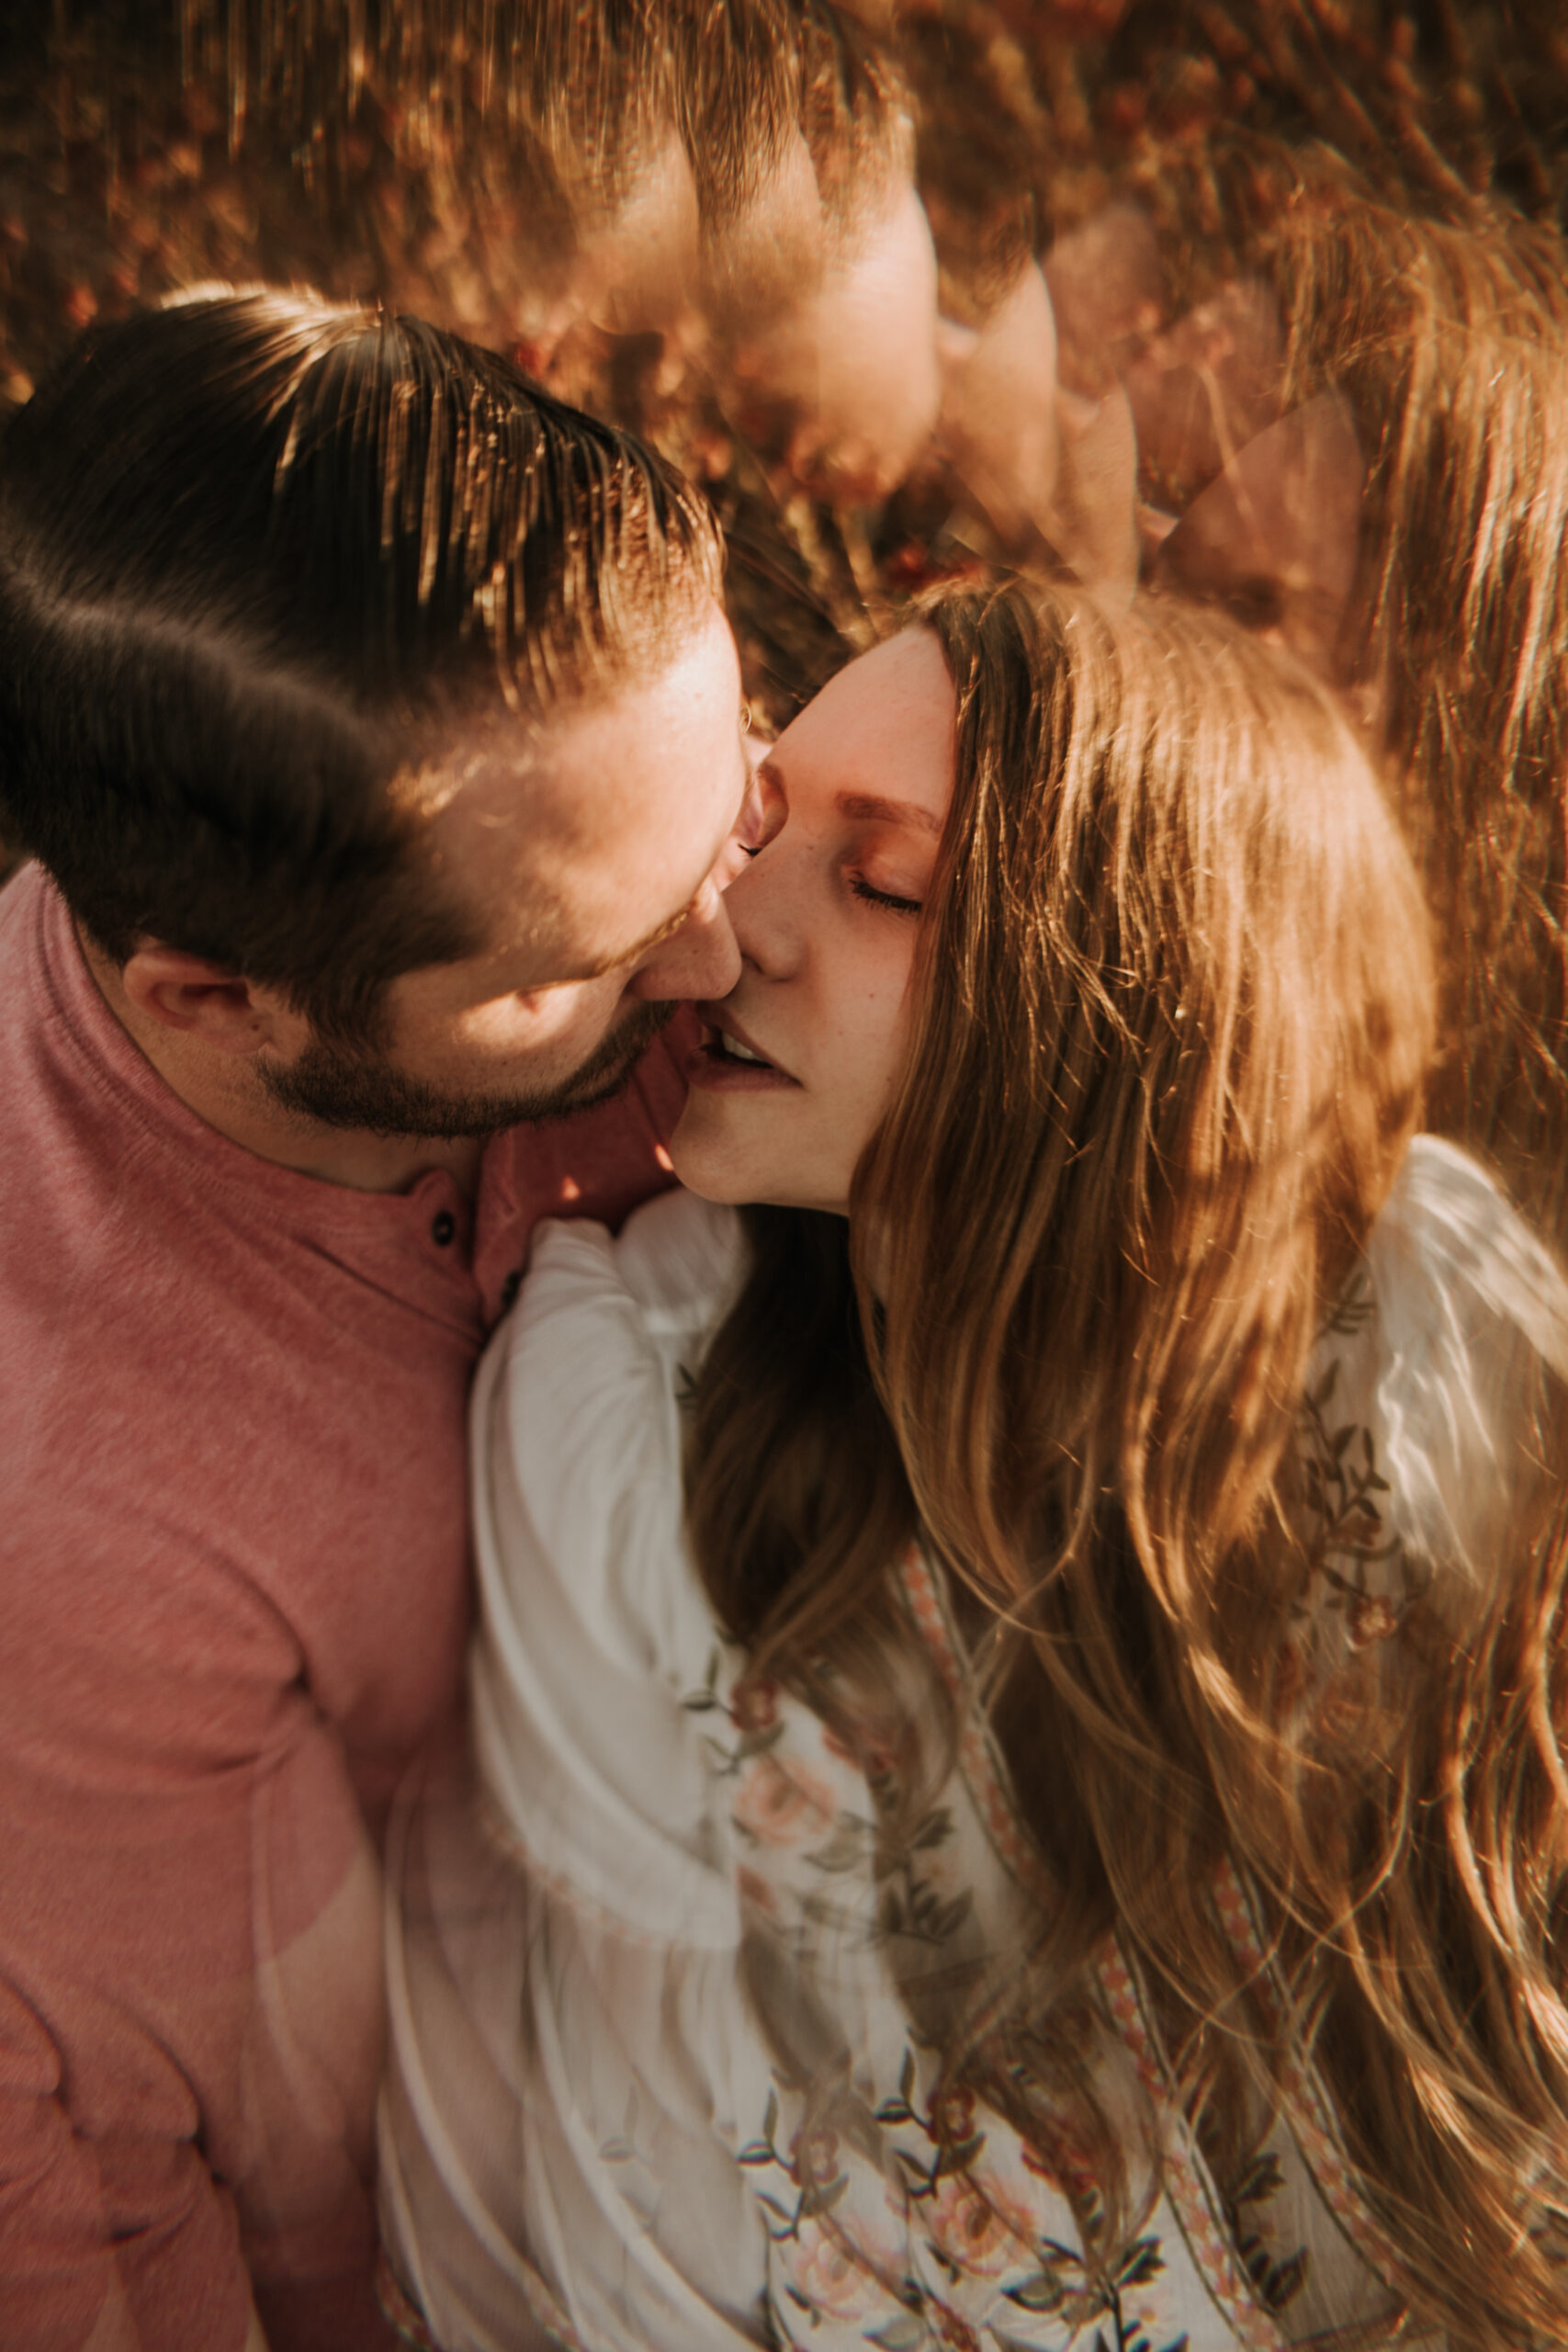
column 1172, row 1017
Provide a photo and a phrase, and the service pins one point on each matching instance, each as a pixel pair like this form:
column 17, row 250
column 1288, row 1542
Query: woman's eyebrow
column 875, row 806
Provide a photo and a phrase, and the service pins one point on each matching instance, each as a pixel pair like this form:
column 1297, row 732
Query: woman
column 1015, row 1709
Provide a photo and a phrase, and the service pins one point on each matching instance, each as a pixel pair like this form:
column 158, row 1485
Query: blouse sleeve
column 571, row 2046
column 1470, row 1327
column 1432, row 1414
column 594, row 1638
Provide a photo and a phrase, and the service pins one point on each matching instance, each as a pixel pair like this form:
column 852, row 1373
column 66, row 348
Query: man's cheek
column 519, row 1023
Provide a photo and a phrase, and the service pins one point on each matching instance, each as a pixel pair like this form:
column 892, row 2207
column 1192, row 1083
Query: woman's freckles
column 826, row 917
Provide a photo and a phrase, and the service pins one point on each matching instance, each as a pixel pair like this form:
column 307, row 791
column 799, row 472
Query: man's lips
column 731, row 1061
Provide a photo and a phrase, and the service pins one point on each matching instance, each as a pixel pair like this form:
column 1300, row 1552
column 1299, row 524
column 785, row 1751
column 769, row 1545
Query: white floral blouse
column 667, row 2004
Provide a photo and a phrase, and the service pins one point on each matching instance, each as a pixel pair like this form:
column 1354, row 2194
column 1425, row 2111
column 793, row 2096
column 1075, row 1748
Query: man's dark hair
column 255, row 552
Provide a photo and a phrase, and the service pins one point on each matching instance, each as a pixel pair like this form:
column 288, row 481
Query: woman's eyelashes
column 762, row 820
column 889, row 899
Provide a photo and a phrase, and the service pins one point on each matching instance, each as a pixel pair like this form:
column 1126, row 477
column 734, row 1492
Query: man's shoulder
column 23, row 899
column 70, row 1141
column 61, row 1167
column 53, row 1062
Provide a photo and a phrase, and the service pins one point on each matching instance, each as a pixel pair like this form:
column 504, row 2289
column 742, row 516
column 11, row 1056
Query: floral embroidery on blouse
column 1341, row 1670
column 975, row 2264
column 903, row 2213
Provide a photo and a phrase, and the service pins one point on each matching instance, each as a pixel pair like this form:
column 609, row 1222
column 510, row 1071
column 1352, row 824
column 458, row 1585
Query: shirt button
column 443, row 1227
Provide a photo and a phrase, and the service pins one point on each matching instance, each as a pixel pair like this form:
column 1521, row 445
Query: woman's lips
column 718, row 1069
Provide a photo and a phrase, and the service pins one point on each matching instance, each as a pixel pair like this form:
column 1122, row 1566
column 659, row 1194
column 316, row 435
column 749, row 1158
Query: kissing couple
column 981, row 1580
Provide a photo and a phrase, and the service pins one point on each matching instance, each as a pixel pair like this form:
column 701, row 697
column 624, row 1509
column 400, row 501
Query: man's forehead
column 499, row 752
column 579, row 834
column 492, row 765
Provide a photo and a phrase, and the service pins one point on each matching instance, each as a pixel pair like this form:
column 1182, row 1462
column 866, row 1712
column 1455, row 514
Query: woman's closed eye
column 889, row 899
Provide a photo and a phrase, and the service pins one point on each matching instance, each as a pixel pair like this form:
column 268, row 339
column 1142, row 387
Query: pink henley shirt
column 233, row 1602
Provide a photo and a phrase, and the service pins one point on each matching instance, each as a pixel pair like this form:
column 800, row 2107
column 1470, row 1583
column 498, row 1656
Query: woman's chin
column 705, row 1166
column 711, row 1162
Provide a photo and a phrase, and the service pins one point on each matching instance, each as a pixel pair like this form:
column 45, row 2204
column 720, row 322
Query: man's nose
column 701, row 959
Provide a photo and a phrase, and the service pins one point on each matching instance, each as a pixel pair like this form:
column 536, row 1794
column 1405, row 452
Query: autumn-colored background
column 130, row 166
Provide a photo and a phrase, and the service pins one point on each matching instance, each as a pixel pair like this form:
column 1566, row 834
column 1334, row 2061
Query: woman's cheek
column 875, row 1054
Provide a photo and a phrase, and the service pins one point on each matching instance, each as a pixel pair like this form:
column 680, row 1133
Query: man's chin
column 592, row 1085
column 369, row 1095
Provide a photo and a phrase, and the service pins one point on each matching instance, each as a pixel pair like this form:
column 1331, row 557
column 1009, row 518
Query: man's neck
column 222, row 1091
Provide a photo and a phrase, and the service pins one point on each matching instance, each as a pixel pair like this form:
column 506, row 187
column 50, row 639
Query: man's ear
column 206, row 1002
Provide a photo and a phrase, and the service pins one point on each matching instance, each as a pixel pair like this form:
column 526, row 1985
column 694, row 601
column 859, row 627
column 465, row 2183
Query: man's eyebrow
column 874, row 805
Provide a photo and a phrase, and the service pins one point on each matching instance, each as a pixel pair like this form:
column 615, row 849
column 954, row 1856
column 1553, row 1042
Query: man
column 375, row 726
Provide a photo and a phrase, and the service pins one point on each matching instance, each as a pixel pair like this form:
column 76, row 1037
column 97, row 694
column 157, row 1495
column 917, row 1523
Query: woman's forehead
column 885, row 725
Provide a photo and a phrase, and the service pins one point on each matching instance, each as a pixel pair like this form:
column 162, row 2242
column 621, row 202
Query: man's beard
column 339, row 1088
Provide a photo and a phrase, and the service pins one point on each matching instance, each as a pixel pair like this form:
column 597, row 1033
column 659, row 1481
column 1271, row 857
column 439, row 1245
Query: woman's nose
column 770, row 906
